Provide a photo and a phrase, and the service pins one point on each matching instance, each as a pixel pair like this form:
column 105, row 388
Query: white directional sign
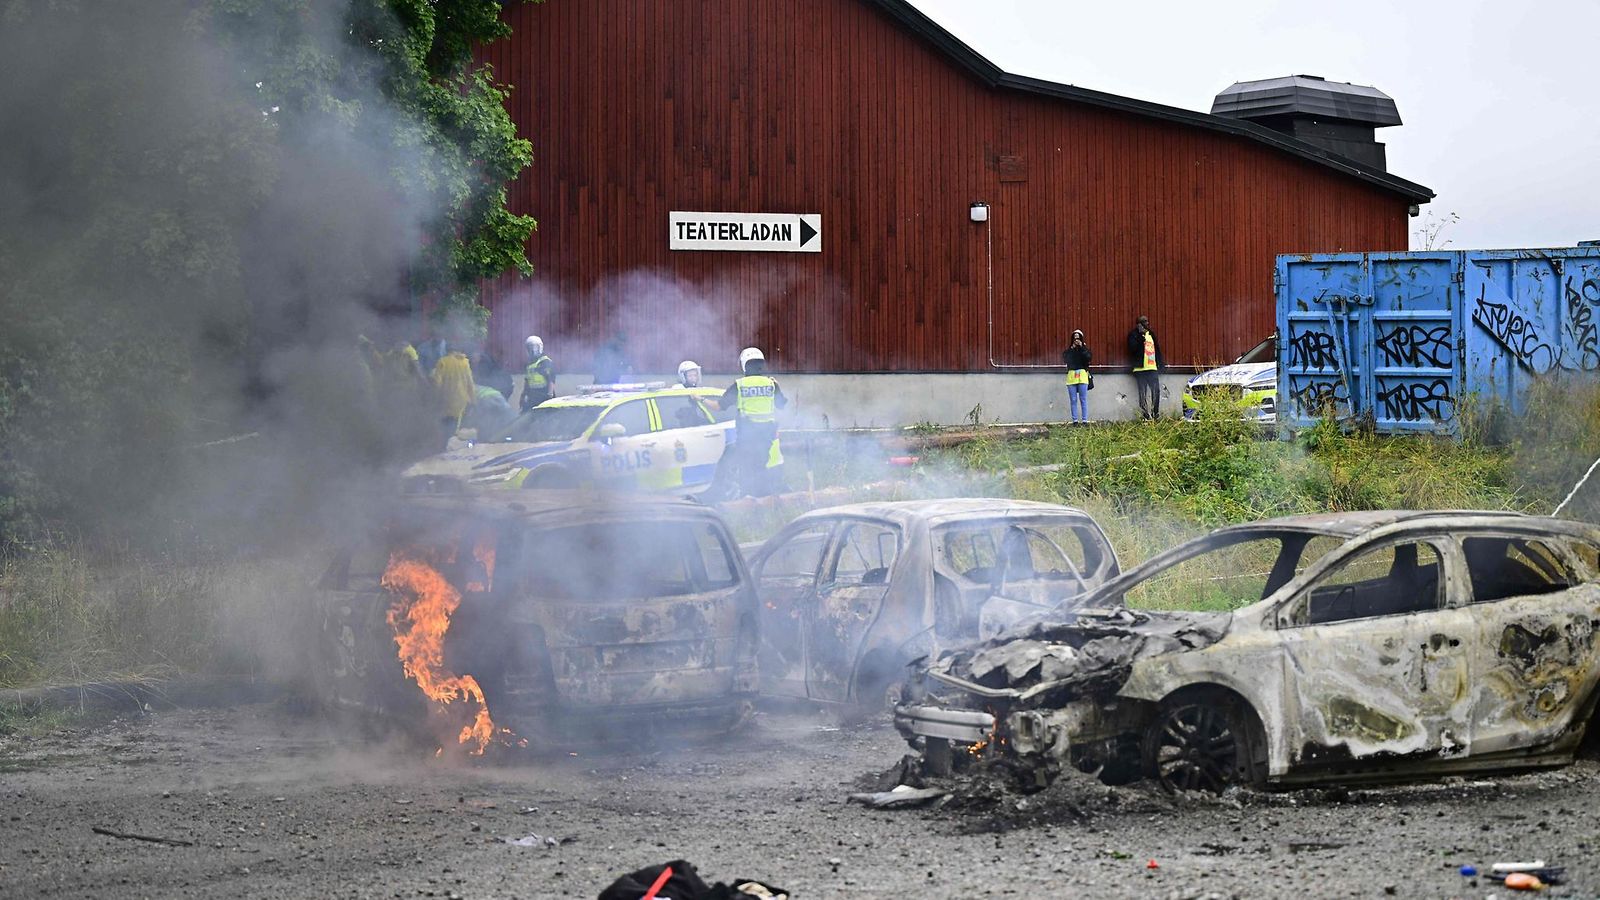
column 780, row 232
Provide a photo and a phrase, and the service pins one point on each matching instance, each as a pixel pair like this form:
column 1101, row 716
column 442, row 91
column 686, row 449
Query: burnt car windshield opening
column 1235, row 570
column 985, row 552
column 549, row 423
column 626, row 560
column 867, row 552
column 798, row 557
column 1391, row 580
column 1502, row 567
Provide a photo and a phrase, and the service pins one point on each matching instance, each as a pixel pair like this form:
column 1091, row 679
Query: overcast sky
column 1501, row 101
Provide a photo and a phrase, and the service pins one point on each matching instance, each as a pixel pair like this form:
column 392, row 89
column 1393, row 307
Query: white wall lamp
column 979, row 212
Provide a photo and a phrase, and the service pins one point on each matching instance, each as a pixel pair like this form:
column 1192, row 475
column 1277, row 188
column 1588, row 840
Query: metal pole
column 1574, row 492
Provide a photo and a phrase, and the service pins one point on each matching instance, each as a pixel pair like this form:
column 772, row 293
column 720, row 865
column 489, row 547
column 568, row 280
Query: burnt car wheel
column 1201, row 746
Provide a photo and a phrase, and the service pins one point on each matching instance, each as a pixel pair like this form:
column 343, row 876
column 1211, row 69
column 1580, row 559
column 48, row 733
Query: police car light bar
column 622, row 388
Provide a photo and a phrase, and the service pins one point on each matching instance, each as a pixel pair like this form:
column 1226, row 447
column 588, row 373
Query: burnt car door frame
column 856, row 610
column 804, row 598
column 1536, row 669
column 1388, row 690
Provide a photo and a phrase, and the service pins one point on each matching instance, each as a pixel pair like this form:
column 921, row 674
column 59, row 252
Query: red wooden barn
column 871, row 115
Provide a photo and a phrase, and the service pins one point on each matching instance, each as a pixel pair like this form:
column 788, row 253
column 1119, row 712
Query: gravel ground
column 276, row 805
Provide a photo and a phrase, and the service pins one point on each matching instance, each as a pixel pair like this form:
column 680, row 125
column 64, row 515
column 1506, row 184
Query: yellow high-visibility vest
column 1149, row 363
column 758, row 398
column 534, row 379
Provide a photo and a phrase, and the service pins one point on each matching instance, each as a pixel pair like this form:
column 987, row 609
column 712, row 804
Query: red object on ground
column 1152, row 864
column 904, row 460
column 666, row 873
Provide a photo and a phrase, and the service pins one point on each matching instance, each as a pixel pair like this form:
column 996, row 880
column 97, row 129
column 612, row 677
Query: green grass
column 68, row 615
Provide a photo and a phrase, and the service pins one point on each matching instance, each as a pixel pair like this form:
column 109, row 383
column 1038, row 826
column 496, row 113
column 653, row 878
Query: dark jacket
column 1136, row 350
column 1076, row 357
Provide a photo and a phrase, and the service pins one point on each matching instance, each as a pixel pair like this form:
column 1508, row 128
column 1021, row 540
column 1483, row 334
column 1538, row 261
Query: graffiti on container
column 1312, row 350
column 1516, row 334
column 1316, row 397
column 1416, row 345
column 1581, row 299
column 1414, row 401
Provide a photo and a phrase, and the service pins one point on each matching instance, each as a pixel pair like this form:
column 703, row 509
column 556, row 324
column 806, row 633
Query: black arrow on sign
column 806, row 232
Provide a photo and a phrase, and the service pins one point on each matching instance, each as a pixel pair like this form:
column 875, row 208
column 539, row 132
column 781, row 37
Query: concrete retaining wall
column 852, row 401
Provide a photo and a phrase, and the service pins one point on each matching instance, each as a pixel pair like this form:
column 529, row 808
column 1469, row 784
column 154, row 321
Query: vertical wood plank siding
column 639, row 107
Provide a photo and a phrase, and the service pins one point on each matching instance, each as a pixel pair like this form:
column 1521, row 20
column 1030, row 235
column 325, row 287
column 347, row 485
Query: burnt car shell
column 1482, row 659
column 604, row 615
column 851, row 594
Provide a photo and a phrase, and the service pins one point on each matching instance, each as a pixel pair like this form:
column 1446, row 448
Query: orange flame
column 420, row 617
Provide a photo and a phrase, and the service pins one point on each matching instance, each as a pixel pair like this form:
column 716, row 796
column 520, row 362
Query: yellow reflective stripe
column 655, row 415
column 774, row 455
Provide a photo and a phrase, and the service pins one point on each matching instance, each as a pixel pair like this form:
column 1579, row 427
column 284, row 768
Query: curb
column 136, row 695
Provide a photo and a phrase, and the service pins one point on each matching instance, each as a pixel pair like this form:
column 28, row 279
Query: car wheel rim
column 1197, row 750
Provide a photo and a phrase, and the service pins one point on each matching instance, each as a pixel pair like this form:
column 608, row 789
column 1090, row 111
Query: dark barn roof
column 992, row 75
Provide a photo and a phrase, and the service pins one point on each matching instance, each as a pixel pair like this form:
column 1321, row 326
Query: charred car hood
column 1081, row 650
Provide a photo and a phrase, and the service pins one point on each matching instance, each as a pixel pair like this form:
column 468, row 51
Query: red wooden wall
column 639, row 107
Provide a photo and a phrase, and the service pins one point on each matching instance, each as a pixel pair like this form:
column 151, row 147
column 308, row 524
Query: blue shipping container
column 1401, row 339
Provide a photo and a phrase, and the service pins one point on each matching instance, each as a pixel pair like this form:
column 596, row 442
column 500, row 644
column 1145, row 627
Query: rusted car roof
column 1350, row 524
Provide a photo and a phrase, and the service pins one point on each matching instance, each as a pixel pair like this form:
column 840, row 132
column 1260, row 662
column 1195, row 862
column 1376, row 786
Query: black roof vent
column 1333, row 115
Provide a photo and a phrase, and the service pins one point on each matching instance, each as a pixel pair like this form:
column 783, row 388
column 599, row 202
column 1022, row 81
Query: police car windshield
column 1264, row 352
column 549, row 423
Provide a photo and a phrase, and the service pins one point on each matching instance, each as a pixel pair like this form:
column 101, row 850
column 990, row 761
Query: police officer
column 756, row 398
column 539, row 380
column 689, row 374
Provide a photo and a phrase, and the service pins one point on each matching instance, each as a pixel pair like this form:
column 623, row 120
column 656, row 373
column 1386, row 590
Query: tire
column 877, row 686
column 1208, row 744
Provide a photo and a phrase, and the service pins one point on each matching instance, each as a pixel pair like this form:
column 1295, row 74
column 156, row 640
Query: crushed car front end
column 1046, row 695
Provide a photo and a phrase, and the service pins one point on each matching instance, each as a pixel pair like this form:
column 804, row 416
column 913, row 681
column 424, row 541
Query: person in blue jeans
column 1076, row 359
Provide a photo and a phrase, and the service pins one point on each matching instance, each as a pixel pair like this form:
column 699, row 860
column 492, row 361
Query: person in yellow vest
column 452, row 380
column 1076, row 359
column 756, row 398
column 1145, row 351
column 539, row 380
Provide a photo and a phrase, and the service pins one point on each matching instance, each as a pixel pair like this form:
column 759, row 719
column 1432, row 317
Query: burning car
column 549, row 616
column 646, row 437
column 1345, row 648
column 850, row 594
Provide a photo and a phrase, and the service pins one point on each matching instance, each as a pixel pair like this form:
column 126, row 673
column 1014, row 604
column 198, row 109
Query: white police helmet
column 749, row 354
column 534, row 344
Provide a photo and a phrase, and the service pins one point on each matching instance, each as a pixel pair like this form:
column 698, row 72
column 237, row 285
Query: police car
column 1252, row 381
column 638, row 436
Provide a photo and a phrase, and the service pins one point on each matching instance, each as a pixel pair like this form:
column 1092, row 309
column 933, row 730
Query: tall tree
column 201, row 202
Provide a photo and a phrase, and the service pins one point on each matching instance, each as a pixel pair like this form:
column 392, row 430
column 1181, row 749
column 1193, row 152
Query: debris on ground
column 123, row 835
column 1526, row 876
column 534, row 840
column 902, row 796
column 679, row 880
